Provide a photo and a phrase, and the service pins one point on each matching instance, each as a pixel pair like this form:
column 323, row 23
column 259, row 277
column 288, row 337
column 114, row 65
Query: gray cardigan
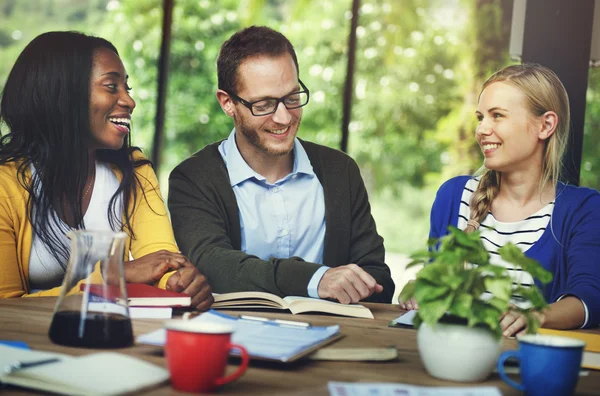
column 206, row 222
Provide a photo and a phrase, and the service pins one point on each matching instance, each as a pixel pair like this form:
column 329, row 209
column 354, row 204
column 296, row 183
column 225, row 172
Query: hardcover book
column 591, row 352
column 141, row 295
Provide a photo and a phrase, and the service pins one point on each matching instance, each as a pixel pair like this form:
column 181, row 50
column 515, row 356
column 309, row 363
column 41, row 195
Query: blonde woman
column 523, row 129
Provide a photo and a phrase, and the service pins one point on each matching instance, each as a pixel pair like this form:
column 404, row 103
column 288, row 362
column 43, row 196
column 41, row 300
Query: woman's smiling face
column 507, row 132
column 110, row 103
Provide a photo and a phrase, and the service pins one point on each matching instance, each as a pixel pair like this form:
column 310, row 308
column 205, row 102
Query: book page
column 307, row 304
column 222, row 299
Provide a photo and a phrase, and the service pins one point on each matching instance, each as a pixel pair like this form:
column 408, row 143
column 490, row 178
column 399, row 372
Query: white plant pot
column 458, row 353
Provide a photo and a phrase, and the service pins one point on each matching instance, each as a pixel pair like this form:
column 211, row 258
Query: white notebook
column 104, row 373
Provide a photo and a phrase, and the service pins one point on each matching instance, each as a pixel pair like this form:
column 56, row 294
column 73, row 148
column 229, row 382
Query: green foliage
column 590, row 161
column 458, row 272
column 403, row 79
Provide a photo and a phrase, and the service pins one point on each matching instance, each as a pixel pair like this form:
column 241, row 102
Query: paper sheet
column 387, row 389
column 405, row 319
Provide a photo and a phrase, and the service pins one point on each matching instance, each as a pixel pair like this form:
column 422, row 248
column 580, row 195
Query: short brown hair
column 249, row 42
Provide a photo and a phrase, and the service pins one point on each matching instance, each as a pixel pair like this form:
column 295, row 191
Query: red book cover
column 141, row 295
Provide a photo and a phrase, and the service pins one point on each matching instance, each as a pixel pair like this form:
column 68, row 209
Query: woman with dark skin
column 66, row 163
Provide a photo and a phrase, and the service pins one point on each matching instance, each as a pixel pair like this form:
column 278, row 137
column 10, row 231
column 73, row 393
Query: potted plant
column 459, row 334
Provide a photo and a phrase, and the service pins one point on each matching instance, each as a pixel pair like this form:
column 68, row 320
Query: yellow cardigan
column 150, row 223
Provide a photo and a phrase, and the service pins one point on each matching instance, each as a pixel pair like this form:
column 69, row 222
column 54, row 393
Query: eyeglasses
column 269, row 106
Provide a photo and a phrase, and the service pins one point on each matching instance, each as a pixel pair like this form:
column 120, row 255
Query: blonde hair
column 543, row 92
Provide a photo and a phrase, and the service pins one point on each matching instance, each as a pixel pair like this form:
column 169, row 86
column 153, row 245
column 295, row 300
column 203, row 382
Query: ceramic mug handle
column 243, row 366
column 500, row 367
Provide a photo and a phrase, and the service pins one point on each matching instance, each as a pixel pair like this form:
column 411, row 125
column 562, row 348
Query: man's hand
column 348, row 284
column 150, row 268
column 190, row 281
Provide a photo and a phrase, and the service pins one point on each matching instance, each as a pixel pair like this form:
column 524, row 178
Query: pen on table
column 279, row 322
column 23, row 365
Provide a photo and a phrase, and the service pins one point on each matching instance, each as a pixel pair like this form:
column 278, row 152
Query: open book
column 105, row 373
column 296, row 305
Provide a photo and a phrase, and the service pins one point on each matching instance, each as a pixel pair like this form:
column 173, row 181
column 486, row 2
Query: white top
column 45, row 272
column 495, row 233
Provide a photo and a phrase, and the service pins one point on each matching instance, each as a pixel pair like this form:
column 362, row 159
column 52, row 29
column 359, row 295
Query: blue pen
column 23, row 365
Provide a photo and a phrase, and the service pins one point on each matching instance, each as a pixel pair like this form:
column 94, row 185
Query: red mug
column 197, row 355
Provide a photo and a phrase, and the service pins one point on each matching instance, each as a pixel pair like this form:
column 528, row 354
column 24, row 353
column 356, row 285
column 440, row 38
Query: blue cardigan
column 569, row 248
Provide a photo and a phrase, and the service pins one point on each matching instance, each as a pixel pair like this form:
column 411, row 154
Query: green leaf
column 470, row 277
column 463, row 238
column 453, row 281
column 486, row 314
column 416, row 263
column 492, row 269
column 513, row 254
column 431, row 242
column 408, row 291
column 432, row 311
column 532, row 294
column 479, row 256
column 533, row 324
column 499, row 287
column 417, row 320
column 423, row 255
column 427, row 291
column 433, row 273
column 461, row 306
column 498, row 303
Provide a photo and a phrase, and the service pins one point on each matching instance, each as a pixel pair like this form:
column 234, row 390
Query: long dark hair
column 46, row 107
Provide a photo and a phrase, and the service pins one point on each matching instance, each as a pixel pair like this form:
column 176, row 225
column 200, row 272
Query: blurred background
column 419, row 67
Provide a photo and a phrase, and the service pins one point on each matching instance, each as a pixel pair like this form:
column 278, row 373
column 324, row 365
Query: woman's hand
column 151, row 267
column 514, row 324
column 408, row 305
column 190, row 281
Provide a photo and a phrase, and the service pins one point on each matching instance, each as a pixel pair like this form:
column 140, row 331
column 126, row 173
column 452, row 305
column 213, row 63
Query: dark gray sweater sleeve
column 366, row 245
column 206, row 223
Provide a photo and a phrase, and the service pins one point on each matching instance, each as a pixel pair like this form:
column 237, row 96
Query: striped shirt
column 495, row 233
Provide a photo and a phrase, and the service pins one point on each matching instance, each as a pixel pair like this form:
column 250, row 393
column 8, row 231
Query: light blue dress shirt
column 283, row 219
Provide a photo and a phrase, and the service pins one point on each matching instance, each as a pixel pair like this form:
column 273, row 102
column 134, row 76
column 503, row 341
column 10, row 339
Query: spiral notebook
column 265, row 339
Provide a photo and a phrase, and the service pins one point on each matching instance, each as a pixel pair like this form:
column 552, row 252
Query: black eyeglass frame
column 280, row 100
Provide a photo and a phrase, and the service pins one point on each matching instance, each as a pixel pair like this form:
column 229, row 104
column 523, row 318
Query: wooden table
column 28, row 319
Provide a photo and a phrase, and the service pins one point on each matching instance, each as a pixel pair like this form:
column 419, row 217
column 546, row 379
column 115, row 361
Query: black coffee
column 95, row 331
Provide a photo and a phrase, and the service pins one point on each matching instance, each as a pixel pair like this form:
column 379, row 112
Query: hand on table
column 514, row 324
column 347, row 284
column 151, row 267
column 409, row 305
column 190, row 281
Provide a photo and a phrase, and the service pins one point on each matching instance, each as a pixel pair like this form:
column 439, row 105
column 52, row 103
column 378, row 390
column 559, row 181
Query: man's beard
column 254, row 138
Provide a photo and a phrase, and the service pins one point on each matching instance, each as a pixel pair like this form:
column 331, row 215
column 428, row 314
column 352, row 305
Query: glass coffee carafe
column 92, row 308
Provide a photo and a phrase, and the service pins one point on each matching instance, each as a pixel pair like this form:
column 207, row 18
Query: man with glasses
column 265, row 211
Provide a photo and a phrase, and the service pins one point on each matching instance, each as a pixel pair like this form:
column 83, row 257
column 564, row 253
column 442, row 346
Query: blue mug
column 549, row 365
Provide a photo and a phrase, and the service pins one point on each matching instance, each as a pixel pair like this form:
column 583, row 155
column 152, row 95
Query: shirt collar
column 240, row 171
